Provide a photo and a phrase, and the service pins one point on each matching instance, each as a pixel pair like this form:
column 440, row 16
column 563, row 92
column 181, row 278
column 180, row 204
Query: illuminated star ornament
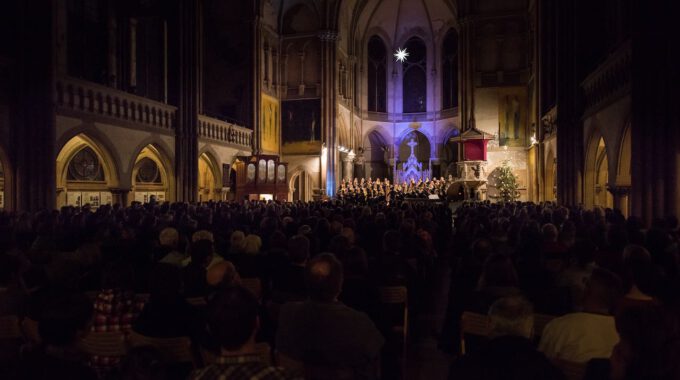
column 401, row 55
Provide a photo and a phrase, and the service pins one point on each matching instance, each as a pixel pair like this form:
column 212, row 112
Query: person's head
column 165, row 282
column 324, row 278
column 511, row 316
column 549, row 232
column 252, row 244
column 391, row 242
column 202, row 252
column 603, row 291
column 223, row 274
column 339, row 245
column 638, row 268
column 583, row 253
column 117, row 275
column 233, row 317
column 481, row 249
column 498, row 271
column 355, row 262
column 348, row 233
column 65, row 319
column 298, row 249
column 169, row 237
column 236, row 240
column 202, row 235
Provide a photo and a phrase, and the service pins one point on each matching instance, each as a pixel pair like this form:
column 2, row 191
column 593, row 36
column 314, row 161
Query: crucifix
column 412, row 144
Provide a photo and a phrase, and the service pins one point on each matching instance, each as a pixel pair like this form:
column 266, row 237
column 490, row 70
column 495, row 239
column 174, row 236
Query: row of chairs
column 479, row 325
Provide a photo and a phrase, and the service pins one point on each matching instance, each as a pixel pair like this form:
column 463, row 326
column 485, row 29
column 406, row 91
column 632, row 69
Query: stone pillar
column 655, row 125
column 33, row 118
column 186, row 128
column 112, row 56
column 329, row 39
column 621, row 195
column 348, row 165
column 120, row 196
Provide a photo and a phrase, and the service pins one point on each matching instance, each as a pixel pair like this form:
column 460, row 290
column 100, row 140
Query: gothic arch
column 300, row 185
column 550, row 175
column 623, row 172
column 597, row 172
column 110, row 179
column 209, row 186
column 163, row 190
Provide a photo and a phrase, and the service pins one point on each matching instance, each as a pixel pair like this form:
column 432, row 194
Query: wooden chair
column 397, row 295
column 176, row 349
column 109, row 343
column 571, row 370
column 262, row 349
column 10, row 327
column 197, row 301
column 473, row 324
column 254, row 285
column 540, row 321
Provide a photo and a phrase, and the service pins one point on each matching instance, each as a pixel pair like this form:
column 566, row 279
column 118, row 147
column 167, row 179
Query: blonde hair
column 237, row 240
column 168, row 237
column 252, row 245
column 202, row 235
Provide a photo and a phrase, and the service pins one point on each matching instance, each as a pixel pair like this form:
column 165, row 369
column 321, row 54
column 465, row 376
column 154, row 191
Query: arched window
column 85, row 167
column 377, row 75
column 450, row 70
column 415, row 80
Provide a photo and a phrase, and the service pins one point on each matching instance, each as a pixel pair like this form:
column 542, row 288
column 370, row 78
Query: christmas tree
column 506, row 184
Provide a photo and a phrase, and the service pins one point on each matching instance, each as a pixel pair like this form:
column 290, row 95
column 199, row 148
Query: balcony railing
column 609, row 81
column 215, row 129
column 86, row 97
column 410, row 117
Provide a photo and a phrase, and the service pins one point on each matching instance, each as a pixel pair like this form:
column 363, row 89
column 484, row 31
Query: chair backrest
column 540, row 321
column 571, row 370
column 254, row 285
column 9, row 327
column 393, row 294
column 177, row 349
column 109, row 343
column 197, row 301
column 262, row 349
column 473, row 324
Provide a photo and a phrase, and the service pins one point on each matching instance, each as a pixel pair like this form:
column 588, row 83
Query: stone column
column 186, row 138
column 621, row 196
column 33, row 117
column 348, row 165
column 359, row 163
column 329, row 39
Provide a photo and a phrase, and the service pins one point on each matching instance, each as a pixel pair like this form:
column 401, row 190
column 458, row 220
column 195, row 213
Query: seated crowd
column 304, row 279
column 179, row 270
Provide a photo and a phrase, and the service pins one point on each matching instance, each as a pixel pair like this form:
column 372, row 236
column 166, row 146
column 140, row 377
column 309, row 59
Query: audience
column 323, row 331
column 561, row 259
column 509, row 354
column 590, row 333
column 233, row 320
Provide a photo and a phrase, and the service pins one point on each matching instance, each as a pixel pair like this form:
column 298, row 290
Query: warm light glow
column 401, row 55
column 533, row 140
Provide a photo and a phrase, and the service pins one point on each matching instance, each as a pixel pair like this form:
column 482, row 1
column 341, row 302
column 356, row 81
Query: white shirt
column 579, row 337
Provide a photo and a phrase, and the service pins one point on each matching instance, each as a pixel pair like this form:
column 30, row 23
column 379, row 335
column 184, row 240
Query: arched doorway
column 85, row 173
column 449, row 155
column 375, row 150
column 550, row 184
column 150, row 176
column 603, row 197
column 300, row 187
column 208, row 175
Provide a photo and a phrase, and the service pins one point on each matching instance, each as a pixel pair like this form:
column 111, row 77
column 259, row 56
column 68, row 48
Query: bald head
column 324, row 278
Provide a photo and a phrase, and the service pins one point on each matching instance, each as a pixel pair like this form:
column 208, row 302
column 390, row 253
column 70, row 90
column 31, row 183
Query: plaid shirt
column 242, row 367
column 114, row 310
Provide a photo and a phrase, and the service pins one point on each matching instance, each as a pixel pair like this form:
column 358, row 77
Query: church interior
column 207, row 108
